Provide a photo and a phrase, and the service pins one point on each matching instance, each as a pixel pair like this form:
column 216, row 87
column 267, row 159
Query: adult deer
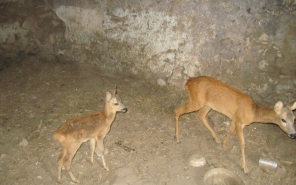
column 206, row 93
column 93, row 127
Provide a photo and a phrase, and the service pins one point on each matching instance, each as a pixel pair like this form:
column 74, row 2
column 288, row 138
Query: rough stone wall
column 28, row 28
column 249, row 44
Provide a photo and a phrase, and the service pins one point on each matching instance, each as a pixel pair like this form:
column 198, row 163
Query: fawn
column 206, row 93
column 93, row 127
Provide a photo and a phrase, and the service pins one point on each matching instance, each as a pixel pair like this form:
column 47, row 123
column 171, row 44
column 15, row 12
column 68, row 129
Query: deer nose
column 125, row 110
column 293, row 136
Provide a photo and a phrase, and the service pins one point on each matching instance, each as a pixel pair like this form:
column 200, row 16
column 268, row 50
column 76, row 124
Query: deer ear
column 293, row 106
column 278, row 106
column 108, row 96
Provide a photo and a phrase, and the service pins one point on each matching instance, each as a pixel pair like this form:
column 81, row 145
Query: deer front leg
column 101, row 148
column 239, row 131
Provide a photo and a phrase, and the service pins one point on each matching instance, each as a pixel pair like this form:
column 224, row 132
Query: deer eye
column 284, row 121
column 116, row 104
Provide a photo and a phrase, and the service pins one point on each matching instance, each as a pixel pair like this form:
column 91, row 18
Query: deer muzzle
column 293, row 136
column 125, row 110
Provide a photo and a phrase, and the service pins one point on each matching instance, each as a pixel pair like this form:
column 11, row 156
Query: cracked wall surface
column 249, row 44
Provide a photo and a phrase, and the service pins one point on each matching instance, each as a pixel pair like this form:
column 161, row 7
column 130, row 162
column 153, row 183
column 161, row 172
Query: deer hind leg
column 102, row 150
column 231, row 131
column 187, row 108
column 71, row 151
column 202, row 114
column 61, row 163
column 92, row 147
column 239, row 130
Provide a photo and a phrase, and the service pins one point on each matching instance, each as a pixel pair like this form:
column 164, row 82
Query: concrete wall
column 249, row 44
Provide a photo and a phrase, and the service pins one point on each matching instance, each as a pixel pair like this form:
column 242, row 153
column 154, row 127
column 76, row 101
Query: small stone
column 197, row 161
column 279, row 53
column 2, row 156
column 227, row 123
column 39, row 177
column 24, row 142
column 161, row 82
column 263, row 37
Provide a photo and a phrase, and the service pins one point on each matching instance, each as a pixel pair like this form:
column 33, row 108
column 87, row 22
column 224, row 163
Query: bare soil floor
column 37, row 97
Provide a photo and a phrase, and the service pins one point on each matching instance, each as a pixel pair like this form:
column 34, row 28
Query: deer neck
column 109, row 115
column 264, row 115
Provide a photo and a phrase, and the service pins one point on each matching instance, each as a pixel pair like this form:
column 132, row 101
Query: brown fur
column 93, row 127
column 205, row 93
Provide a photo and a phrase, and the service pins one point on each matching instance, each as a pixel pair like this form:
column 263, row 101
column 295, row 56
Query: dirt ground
column 37, row 97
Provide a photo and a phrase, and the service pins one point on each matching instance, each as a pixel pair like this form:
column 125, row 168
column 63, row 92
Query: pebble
column 24, row 142
column 2, row 156
column 197, row 161
column 161, row 82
